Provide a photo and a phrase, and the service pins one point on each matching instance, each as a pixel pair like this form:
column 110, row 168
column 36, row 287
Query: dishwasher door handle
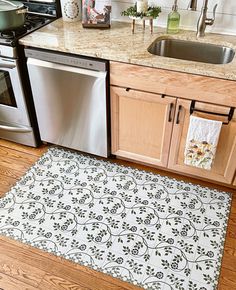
column 52, row 65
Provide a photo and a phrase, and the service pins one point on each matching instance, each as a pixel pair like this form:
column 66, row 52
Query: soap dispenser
column 173, row 19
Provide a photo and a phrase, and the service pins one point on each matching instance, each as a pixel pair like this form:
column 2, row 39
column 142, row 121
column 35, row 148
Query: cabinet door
column 224, row 165
column 141, row 125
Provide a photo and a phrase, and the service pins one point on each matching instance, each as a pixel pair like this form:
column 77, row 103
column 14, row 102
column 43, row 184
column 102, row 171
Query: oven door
column 13, row 110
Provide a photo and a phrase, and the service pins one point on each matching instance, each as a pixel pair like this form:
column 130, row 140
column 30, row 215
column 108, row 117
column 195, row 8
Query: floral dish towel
column 201, row 143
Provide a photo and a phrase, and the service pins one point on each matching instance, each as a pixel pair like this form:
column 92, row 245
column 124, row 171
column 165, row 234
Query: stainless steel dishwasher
column 70, row 97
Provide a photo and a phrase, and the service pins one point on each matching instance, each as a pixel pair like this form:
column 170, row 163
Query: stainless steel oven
column 17, row 117
column 15, row 124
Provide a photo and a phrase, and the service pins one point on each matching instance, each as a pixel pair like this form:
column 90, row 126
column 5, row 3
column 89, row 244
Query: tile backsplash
column 225, row 14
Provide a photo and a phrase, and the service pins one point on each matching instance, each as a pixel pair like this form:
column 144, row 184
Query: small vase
column 71, row 10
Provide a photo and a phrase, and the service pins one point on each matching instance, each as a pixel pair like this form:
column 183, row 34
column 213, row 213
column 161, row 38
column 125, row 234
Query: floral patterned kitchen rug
column 153, row 231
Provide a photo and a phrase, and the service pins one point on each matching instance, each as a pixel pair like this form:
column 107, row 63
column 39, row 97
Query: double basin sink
column 192, row 50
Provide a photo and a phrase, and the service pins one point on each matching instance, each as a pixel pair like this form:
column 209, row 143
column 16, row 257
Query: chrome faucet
column 203, row 21
column 192, row 5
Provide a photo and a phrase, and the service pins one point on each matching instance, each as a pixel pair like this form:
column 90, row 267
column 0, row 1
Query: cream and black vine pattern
column 150, row 230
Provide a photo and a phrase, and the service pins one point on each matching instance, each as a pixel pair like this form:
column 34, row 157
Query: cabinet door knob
column 179, row 110
column 170, row 112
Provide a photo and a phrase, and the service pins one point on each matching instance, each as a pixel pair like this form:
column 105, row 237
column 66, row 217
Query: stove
column 39, row 14
column 17, row 115
column 32, row 22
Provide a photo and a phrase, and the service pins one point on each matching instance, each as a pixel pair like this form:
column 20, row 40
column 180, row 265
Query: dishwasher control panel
column 68, row 60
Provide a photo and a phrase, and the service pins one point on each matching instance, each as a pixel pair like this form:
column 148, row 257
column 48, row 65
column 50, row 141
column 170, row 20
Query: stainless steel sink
column 192, row 50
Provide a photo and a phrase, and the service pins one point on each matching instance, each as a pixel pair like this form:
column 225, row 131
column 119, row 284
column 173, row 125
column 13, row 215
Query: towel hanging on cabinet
column 201, row 143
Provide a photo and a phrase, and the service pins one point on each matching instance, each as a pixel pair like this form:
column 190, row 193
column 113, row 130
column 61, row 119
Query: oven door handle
column 16, row 129
column 7, row 66
column 67, row 68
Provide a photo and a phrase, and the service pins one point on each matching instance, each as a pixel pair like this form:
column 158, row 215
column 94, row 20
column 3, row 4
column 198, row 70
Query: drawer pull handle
column 170, row 112
column 229, row 115
column 179, row 110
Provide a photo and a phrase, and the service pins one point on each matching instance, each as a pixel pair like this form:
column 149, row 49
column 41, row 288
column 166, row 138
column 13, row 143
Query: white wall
column 225, row 14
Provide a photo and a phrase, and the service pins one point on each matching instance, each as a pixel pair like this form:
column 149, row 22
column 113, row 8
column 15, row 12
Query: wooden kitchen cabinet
column 224, row 165
column 141, row 125
column 144, row 129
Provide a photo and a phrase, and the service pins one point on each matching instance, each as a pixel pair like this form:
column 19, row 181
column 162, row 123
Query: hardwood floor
column 23, row 267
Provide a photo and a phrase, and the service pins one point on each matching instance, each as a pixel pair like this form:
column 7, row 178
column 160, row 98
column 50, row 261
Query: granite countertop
column 119, row 44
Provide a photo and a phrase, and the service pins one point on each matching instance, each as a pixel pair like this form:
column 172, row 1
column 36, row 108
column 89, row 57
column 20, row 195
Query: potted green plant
column 151, row 12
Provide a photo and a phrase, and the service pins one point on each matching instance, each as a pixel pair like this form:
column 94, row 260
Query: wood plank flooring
column 23, row 267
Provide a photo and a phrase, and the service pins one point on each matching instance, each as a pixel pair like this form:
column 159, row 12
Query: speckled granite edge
column 119, row 44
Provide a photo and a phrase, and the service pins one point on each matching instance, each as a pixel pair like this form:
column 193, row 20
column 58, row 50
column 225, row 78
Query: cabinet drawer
column 184, row 85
